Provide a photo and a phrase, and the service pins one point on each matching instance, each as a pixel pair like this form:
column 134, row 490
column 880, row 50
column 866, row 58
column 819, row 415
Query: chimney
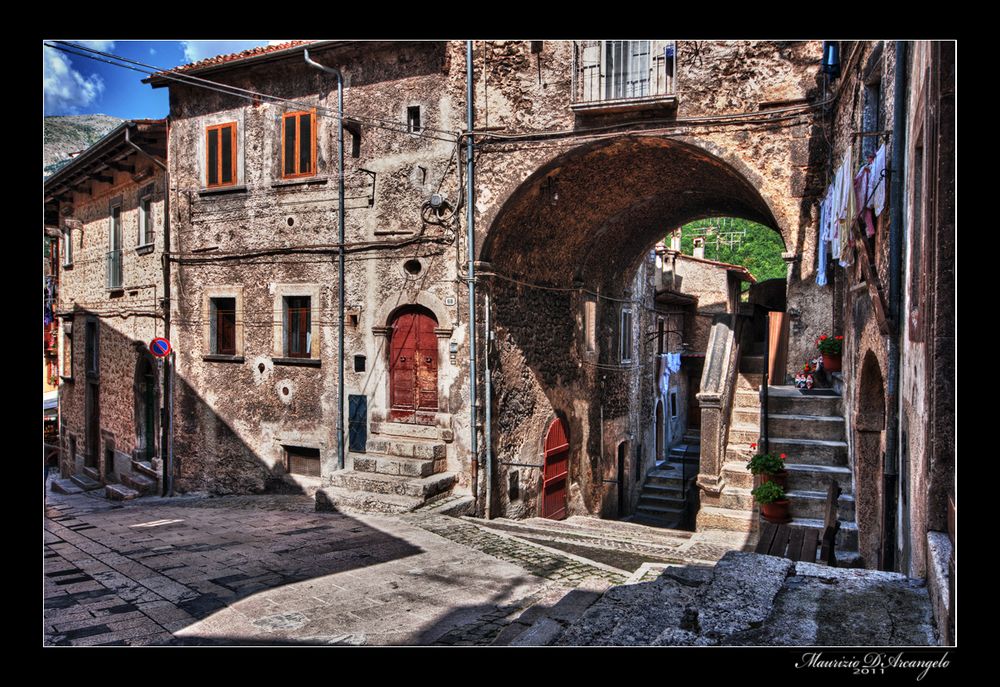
column 675, row 242
column 699, row 248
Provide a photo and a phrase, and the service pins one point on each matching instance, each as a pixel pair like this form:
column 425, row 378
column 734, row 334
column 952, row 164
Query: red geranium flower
column 753, row 446
column 823, row 337
column 782, row 456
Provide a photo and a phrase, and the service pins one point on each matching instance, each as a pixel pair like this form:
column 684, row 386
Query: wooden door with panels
column 413, row 363
column 556, row 472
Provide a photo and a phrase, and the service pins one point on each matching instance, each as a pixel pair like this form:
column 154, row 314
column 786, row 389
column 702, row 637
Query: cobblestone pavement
column 271, row 570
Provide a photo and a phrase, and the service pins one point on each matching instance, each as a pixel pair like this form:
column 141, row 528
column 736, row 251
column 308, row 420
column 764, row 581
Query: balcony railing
column 607, row 73
column 114, row 269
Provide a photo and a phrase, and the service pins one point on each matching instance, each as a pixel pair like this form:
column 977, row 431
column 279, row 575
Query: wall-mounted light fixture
column 831, row 58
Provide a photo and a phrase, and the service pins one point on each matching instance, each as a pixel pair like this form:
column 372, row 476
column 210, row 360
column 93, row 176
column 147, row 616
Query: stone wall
column 127, row 319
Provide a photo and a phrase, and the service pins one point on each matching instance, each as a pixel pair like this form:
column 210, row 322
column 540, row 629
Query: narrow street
column 268, row 569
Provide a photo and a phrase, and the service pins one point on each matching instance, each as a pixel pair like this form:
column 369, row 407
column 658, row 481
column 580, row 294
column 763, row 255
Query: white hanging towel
column 664, row 374
column 673, row 362
column 878, row 180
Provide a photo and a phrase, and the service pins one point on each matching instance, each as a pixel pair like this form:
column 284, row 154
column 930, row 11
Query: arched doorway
column 556, row 471
column 869, row 427
column 145, row 408
column 413, row 366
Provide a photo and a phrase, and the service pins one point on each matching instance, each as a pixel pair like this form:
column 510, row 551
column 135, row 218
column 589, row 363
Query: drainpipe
column 488, row 394
column 890, row 479
column 340, row 253
column 470, row 244
column 167, row 380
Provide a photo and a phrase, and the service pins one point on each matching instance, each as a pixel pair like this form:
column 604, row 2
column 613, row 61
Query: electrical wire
column 246, row 94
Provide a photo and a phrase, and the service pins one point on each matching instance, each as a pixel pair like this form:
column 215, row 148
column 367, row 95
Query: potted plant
column 831, row 348
column 773, row 504
column 769, row 467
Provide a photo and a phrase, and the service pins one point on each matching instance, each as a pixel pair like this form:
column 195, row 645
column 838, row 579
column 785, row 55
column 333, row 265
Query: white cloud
column 103, row 46
column 67, row 90
column 200, row 50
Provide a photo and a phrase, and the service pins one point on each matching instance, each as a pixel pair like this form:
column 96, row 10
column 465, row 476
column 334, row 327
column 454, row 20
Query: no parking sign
column 159, row 347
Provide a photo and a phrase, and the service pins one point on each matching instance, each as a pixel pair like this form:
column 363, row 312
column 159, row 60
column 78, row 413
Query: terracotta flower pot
column 776, row 511
column 831, row 363
column 779, row 478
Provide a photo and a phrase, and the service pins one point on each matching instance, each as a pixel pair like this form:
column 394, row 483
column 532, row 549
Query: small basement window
column 300, row 460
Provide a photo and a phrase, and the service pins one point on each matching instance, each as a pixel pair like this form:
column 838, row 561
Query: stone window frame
column 66, row 350
column 313, row 131
column 146, row 195
column 67, row 247
column 279, row 352
column 220, row 119
column 116, row 203
column 213, row 292
column 625, row 344
column 590, row 324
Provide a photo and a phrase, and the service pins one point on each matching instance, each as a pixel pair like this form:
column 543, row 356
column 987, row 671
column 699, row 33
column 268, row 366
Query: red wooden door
column 556, row 472
column 413, row 356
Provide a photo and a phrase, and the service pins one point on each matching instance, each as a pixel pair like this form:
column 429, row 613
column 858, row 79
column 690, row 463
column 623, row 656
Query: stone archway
column 869, row 448
column 580, row 227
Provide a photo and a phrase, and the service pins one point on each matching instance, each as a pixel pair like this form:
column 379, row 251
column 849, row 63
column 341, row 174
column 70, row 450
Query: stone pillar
column 710, row 479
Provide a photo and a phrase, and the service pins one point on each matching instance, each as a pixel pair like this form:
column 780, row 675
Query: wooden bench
column 799, row 543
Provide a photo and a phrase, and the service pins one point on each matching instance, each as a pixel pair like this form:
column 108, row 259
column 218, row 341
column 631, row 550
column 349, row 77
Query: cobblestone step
column 397, row 465
column 788, row 399
column 329, row 499
column 140, row 483
column 85, row 482
column 144, row 468
column 120, row 492
column 422, row 488
column 65, row 486
column 412, row 448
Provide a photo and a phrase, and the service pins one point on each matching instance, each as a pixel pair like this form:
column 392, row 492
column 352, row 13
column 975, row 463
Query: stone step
column 674, row 491
column 92, row 473
column 804, row 477
column 746, row 416
column 746, row 398
column 810, row 504
column 421, row 488
column 120, row 492
column 85, row 482
column 396, row 465
column 407, row 448
column 811, row 451
column 736, row 474
column 737, row 498
column 406, row 430
column 728, row 519
column 650, row 500
column 752, row 363
column 749, row 381
column 666, row 478
column 744, row 434
column 847, row 535
column 663, row 511
column 788, row 399
column 611, row 529
column 801, row 451
column 144, row 468
column 805, row 426
column 331, row 499
column 141, row 483
column 65, row 486
column 692, row 435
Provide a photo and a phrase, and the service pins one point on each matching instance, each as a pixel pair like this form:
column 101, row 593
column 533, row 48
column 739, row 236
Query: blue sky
column 78, row 85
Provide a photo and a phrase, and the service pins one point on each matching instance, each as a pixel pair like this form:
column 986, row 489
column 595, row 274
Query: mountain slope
column 71, row 134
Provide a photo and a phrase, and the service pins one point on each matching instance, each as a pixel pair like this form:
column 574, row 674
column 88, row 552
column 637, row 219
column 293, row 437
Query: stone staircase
column 403, row 468
column 666, row 494
column 810, row 431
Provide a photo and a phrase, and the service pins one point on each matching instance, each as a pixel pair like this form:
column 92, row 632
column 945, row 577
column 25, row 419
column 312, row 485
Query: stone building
column 584, row 152
column 894, row 304
column 108, row 205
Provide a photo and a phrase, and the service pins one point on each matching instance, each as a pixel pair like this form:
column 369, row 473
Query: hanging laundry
column 824, row 211
column 847, row 212
column 673, row 362
column 861, row 186
column 664, row 374
column 878, row 180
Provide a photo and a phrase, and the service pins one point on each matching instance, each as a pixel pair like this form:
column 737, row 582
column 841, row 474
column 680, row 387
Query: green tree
column 758, row 249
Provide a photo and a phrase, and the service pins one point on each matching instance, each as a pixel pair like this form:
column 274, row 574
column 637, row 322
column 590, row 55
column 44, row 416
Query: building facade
column 108, row 205
column 894, row 303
